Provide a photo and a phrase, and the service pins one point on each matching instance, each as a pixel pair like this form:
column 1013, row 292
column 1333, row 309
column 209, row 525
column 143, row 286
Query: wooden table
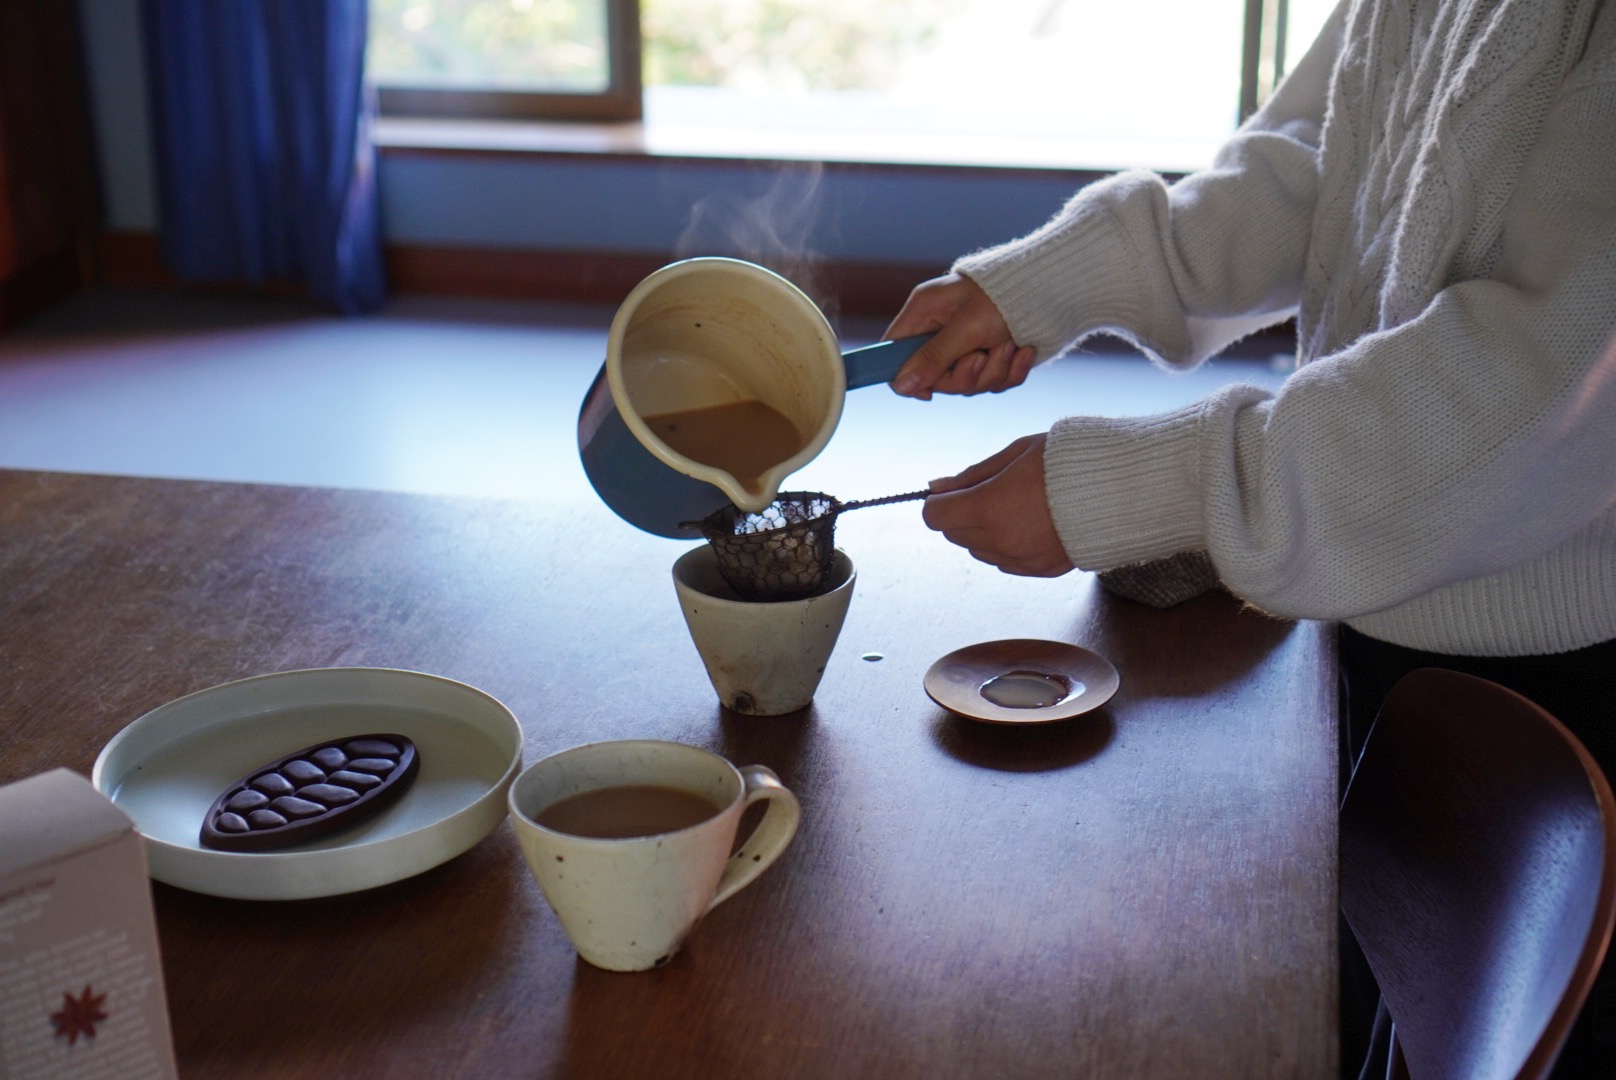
column 1147, row 891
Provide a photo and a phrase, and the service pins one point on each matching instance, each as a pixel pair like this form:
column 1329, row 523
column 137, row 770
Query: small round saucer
column 1021, row 681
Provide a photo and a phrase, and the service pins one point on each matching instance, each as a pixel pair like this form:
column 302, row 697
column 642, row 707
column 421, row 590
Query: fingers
column 983, row 371
column 934, row 366
column 982, row 470
column 986, row 371
column 997, row 510
column 958, row 378
column 1027, row 546
column 971, row 344
column 1021, row 364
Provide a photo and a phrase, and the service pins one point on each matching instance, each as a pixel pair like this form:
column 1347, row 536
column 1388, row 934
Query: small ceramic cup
column 763, row 657
column 628, row 904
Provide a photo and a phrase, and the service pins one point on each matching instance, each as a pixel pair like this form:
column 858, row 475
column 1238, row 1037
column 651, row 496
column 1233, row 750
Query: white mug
column 628, row 904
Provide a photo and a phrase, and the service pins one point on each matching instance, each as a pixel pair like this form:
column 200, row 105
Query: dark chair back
column 1478, row 873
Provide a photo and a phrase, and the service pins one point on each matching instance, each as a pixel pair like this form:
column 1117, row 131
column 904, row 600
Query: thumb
column 929, row 363
column 982, row 470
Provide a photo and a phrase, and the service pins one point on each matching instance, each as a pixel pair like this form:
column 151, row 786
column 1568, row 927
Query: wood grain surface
column 1145, row 891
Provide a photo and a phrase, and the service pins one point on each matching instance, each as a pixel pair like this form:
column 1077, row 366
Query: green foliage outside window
column 786, row 44
column 552, row 45
column 559, row 45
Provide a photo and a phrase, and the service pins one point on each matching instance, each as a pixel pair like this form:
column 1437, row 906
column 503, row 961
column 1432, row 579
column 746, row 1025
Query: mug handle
column 878, row 363
column 768, row 840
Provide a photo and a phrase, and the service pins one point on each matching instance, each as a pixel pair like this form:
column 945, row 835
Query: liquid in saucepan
column 744, row 438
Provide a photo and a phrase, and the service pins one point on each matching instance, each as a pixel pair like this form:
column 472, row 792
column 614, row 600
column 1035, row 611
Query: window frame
column 622, row 99
column 1262, row 52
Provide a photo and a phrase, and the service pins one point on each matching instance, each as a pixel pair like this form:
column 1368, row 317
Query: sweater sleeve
column 1180, row 271
column 1471, row 439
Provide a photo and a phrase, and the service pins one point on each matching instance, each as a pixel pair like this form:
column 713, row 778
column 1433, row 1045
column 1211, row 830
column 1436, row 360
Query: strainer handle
column 859, row 504
column 878, row 363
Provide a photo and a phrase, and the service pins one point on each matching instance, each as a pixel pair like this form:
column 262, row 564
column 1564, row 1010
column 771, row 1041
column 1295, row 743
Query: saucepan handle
column 878, row 363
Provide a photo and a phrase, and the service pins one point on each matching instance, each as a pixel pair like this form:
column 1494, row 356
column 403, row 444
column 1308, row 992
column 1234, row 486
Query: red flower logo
column 79, row 1015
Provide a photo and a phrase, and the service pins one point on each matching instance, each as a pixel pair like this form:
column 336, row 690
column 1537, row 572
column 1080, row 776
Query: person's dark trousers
column 1578, row 689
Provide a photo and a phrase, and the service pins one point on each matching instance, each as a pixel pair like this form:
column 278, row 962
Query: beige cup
column 627, row 905
column 763, row 657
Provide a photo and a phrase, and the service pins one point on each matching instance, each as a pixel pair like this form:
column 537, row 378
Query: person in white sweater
column 1432, row 194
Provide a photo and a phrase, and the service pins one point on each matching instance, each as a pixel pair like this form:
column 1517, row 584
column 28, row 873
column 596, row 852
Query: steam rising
column 772, row 230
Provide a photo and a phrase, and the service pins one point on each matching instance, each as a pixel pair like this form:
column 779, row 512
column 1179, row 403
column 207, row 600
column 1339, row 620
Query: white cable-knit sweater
column 1433, row 192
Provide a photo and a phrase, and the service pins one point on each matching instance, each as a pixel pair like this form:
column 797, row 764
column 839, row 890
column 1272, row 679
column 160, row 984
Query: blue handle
column 878, row 363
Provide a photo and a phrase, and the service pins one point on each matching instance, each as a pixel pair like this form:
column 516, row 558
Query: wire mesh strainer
column 784, row 551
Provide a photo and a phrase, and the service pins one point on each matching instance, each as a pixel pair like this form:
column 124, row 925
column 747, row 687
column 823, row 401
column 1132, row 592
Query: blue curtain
column 265, row 165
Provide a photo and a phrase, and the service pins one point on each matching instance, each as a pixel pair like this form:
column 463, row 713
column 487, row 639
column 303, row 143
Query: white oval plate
column 165, row 769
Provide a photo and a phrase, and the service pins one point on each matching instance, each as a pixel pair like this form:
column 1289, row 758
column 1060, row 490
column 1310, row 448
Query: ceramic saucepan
column 710, row 332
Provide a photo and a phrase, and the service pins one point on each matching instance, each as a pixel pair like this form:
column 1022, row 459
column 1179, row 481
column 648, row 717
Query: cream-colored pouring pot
column 703, row 333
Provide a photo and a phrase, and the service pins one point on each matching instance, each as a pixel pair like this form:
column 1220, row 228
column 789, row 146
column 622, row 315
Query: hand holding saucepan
column 972, row 351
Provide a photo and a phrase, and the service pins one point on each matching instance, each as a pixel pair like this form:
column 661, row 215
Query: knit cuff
column 1123, row 491
column 1077, row 274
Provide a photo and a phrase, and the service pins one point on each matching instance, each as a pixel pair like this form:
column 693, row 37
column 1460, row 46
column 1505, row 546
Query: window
column 1025, row 81
column 557, row 59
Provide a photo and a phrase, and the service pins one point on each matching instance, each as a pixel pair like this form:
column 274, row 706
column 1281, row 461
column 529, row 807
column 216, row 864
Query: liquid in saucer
column 1023, row 689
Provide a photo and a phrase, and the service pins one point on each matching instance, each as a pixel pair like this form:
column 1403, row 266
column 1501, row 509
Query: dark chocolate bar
column 311, row 793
